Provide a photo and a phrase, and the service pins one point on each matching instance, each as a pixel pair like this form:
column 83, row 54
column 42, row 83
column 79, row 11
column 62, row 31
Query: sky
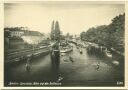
column 72, row 17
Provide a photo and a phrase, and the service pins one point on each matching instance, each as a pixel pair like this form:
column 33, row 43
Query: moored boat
column 108, row 54
column 66, row 50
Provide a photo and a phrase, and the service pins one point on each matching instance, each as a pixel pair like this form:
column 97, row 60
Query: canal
column 76, row 69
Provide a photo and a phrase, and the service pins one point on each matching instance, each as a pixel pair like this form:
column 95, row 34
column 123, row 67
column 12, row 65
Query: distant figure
column 81, row 51
column 98, row 66
column 71, row 59
column 28, row 65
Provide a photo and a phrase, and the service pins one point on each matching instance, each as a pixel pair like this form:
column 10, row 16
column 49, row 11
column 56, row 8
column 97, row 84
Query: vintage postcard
column 64, row 44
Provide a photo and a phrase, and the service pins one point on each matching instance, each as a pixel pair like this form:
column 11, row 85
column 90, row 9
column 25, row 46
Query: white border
column 91, row 1
column 1, row 42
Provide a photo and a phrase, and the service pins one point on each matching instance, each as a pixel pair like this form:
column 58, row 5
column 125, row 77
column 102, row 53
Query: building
column 20, row 37
column 17, row 33
column 14, row 32
column 20, row 31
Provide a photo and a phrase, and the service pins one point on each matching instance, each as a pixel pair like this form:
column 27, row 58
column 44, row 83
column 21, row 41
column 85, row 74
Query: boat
column 17, row 59
column 66, row 50
column 115, row 62
column 62, row 54
column 108, row 54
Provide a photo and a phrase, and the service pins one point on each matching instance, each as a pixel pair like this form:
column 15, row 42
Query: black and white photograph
column 64, row 44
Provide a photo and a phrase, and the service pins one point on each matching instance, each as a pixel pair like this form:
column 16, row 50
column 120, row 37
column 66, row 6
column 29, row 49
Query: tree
column 116, row 32
column 110, row 36
column 52, row 31
column 57, row 31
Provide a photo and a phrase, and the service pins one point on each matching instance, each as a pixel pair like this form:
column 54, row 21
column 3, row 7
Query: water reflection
column 99, row 52
column 55, row 59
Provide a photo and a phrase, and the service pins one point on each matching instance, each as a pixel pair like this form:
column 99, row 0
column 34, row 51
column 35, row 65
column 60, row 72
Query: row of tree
column 55, row 31
column 110, row 36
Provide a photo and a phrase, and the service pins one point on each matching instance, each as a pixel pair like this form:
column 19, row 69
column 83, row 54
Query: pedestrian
column 80, row 51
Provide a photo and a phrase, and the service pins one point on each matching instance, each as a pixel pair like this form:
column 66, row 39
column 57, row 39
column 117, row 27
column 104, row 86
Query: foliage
column 52, row 31
column 111, row 36
column 55, row 31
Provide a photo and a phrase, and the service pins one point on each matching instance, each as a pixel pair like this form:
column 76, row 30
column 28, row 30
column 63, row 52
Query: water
column 83, row 72
column 80, row 71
